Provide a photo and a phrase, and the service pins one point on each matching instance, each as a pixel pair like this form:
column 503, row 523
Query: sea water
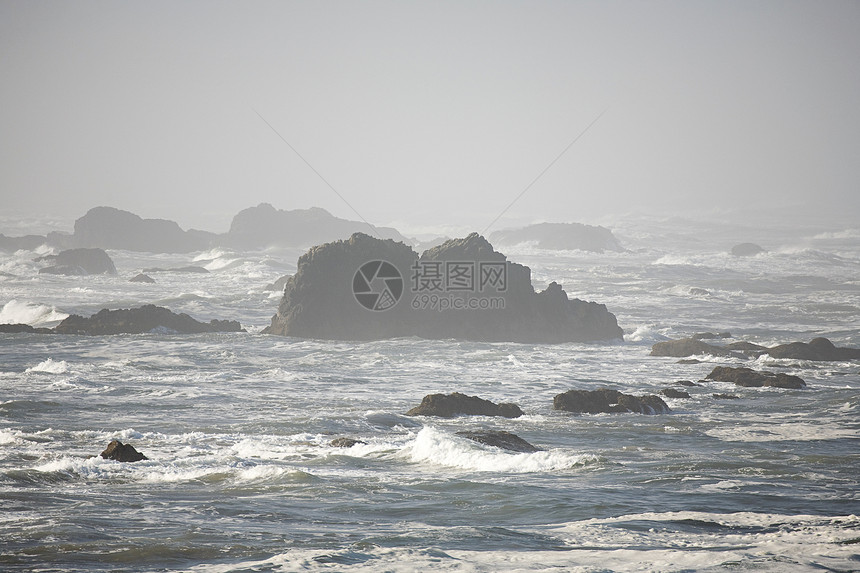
column 237, row 427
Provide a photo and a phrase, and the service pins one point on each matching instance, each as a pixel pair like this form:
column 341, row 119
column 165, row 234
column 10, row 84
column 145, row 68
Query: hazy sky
column 428, row 114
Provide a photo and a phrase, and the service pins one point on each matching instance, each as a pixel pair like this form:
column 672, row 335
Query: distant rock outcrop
column 25, row 243
column 120, row 452
column 279, row 284
column 750, row 378
column 820, row 349
column 185, row 269
column 455, row 404
column 111, row 228
column 23, row 328
column 79, row 262
column 461, row 289
column 264, row 226
column 689, row 347
column 816, row 349
column 560, row 236
column 498, row 439
column 606, row 401
column 747, row 250
column 147, row 318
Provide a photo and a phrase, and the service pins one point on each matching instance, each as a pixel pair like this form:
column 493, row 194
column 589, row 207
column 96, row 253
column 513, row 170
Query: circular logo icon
column 377, row 285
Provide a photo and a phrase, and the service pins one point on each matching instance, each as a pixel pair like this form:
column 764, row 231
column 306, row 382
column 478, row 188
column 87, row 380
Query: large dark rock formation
column 606, row 401
column 492, row 300
column 503, row 440
column 111, row 228
column 456, row 404
column 140, row 320
column 561, row 236
column 120, row 452
column 264, row 226
column 755, row 379
column 816, row 349
column 79, row 262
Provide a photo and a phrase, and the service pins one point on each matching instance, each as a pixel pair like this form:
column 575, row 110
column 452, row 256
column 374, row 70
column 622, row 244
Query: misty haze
column 371, row 286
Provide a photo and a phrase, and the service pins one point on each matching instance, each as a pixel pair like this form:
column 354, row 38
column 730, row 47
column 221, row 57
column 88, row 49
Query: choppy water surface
column 241, row 476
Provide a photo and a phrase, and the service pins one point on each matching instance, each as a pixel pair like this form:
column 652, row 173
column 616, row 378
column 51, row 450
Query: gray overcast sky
column 428, row 114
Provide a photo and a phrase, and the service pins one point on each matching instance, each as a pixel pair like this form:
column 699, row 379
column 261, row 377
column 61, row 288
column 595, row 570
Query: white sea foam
column 650, row 333
column 783, row 431
column 50, row 366
column 34, row 314
column 443, row 449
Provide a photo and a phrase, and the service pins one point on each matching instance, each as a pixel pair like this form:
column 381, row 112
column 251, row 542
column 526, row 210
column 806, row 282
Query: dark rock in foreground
column 450, row 405
column 23, row 328
column 817, row 349
column 79, row 262
column 345, row 442
column 747, row 250
column 141, row 278
column 140, row 320
column 503, row 440
column 561, row 236
column 606, row 401
column 332, row 296
column 120, row 452
column 750, row 378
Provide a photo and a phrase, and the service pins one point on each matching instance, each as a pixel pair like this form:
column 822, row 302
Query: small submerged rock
column 503, row 440
column 747, row 250
column 606, row 401
column 672, row 393
column 120, row 452
column 725, row 396
column 141, row 278
column 450, row 405
column 345, row 442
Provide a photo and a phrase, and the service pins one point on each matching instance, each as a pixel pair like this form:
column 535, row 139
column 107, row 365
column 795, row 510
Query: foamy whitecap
column 50, row 366
column 439, row 448
column 646, row 333
column 34, row 314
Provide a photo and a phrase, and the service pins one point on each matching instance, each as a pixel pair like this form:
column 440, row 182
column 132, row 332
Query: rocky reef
column 147, row 318
column 818, row 349
column 366, row 288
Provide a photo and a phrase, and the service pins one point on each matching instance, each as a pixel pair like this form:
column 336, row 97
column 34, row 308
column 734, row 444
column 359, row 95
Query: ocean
column 237, row 427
